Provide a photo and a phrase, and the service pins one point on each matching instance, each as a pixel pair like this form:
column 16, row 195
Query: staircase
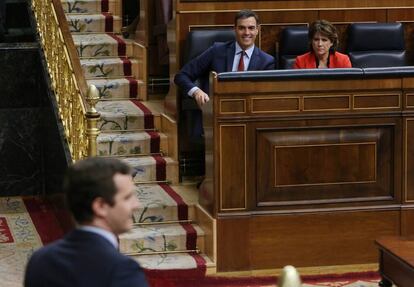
column 164, row 238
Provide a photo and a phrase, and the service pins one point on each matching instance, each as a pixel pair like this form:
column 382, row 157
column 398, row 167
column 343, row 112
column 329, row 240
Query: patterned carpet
column 362, row 279
column 28, row 223
column 25, row 225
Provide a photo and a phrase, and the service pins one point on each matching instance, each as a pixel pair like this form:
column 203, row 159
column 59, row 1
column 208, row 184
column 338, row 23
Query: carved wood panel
column 233, row 167
column 312, row 239
column 409, row 159
column 324, row 164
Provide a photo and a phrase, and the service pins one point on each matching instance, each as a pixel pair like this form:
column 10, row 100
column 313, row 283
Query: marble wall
column 33, row 156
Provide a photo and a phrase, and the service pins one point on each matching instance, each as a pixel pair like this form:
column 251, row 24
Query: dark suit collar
column 231, row 49
column 87, row 236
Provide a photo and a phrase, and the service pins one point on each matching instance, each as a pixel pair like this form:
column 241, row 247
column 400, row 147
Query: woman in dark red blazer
column 323, row 40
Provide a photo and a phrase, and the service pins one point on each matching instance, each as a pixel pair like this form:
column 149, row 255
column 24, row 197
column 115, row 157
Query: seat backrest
column 293, row 42
column 200, row 40
column 376, row 45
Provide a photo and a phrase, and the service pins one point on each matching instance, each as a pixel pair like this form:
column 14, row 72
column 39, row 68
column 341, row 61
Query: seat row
column 368, row 44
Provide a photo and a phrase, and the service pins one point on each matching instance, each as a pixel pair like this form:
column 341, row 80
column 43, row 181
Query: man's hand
column 200, row 97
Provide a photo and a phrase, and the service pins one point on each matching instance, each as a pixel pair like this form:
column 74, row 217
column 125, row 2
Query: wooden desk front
column 314, row 166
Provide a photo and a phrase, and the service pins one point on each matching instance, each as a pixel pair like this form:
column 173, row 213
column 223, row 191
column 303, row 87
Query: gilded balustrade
column 76, row 102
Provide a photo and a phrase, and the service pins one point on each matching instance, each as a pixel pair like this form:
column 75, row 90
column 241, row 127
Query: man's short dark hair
column 88, row 179
column 243, row 14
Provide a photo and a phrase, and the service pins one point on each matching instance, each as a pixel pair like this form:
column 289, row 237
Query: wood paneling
column 406, row 17
column 409, row 101
column 232, row 106
column 272, row 241
column 331, row 164
column 409, row 160
column 347, row 163
column 339, row 87
column 327, row 103
column 303, row 169
column 232, row 167
column 377, row 101
column 275, row 104
column 233, row 248
column 323, row 160
column 340, row 238
column 407, row 219
column 208, row 224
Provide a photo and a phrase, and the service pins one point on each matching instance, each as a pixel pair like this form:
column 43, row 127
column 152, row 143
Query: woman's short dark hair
column 326, row 29
column 88, row 179
column 244, row 14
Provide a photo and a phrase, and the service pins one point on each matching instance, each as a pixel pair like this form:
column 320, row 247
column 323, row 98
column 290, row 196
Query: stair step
column 129, row 143
column 115, row 88
column 174, row 262
column 101, row 45
column 124, row 115
column 89, row 6
column 160, row 203
column 188, row 221
column 148, row 168
column 109, row 67
column 87, row 23
column 162, row 238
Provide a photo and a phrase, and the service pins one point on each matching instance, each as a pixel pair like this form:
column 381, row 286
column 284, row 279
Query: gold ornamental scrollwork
column 76, row 109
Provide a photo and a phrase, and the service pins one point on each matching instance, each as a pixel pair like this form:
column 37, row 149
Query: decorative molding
column 254, row 111
column 245, row 168
column 234, row 101
column 398, row 106
column 405, row 161
column 326, row 97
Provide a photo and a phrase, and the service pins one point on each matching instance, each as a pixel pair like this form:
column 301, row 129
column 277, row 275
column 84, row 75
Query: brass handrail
column 76, row 101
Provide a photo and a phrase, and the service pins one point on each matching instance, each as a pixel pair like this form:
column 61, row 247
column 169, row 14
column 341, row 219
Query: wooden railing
column 76, row 101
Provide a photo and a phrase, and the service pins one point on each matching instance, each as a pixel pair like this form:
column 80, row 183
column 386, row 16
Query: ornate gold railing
column 76, row 101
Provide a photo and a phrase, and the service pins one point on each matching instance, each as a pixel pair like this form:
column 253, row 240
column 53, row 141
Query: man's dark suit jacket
column 218, row 58
column 82, row 259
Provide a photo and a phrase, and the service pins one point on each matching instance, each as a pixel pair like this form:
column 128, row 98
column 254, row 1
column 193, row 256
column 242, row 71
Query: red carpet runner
column 362, row 279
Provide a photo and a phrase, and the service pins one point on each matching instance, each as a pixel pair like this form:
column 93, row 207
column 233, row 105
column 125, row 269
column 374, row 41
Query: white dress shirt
column 246, row 59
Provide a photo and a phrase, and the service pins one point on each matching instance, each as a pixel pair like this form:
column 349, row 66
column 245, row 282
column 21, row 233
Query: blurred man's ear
column 100, row 207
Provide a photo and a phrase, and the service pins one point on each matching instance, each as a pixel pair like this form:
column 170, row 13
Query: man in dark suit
column 239, row 55
column 101, row 196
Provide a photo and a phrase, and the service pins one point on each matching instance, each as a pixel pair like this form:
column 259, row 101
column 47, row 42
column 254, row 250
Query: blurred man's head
column 100, row 192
